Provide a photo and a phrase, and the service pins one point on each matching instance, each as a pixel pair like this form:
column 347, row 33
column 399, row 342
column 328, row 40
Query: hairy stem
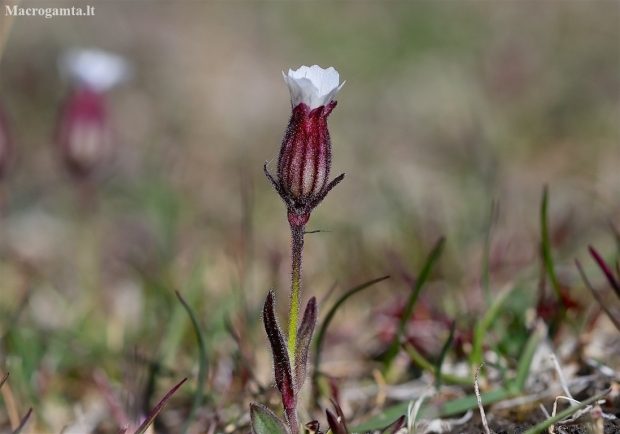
column 297, row 247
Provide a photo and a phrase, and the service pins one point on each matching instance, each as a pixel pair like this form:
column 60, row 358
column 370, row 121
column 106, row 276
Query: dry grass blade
column 4, row 380
column 479, row 399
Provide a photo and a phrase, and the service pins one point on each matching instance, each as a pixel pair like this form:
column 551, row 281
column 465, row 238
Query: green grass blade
column 178, row 324
column 328, row 320
column 482, row 326
column 442, row 356
column 422, row 278
column 527, row 355
column 563, row 414
column 546, row 249
column 158, row 408
column 434, row 411
column 422, row 363
column 203, row 364
column 486, row 256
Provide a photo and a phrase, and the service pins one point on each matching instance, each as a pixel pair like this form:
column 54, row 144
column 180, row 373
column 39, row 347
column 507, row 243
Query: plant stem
column 297, row 247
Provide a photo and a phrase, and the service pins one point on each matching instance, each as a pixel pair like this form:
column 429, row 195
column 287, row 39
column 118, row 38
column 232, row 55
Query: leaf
column 394, row 427
column 281, row 362
column 158, row 408
column 202, row 366
column 264, row 421
column 304, row 337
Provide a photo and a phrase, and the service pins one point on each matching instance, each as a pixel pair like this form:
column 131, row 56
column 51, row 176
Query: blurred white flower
column 96, row 69
column 313, row 86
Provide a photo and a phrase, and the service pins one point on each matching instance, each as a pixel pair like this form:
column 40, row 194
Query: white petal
column 96, row 69
column 313, row 85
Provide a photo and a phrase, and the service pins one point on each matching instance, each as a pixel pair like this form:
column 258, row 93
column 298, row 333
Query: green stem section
column 297, row 247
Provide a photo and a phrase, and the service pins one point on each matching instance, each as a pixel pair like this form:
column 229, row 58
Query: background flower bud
column 84, row 134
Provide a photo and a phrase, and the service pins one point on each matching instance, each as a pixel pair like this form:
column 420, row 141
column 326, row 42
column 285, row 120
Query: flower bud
column 84, row 135
column 304, row 162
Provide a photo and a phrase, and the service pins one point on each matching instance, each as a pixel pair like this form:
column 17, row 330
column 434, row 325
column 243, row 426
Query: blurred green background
column 447, row 107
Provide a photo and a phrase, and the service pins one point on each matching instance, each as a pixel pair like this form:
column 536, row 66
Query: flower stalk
column 297, row 247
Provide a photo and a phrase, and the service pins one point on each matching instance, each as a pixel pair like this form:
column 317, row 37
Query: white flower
column 314, row 86
column 96, row 69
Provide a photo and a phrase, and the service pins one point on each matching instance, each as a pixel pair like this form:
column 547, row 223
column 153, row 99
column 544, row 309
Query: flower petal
column 313, row 85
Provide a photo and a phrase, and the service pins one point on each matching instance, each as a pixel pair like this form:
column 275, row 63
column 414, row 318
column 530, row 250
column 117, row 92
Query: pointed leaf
column 340, row 414
column 304, row 337
column 158, row 408
column 23, row 422
column 264, row 421
column 394, row 427
column 281, row 362
column 334, row 423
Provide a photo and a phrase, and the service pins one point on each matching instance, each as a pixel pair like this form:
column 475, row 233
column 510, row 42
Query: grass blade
column 202, row 367
column 563, row 414
column 422, row 363
column 158, row 408
column 606, row 270
column 546, row 250
column 442, row 356
column 328, row 320
column 486, row 255
column 484, row 324
column 4, row 380
column 599, row 300
column 527, row 355
column 23, row 422
column 434, row 411
column 422, row 278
